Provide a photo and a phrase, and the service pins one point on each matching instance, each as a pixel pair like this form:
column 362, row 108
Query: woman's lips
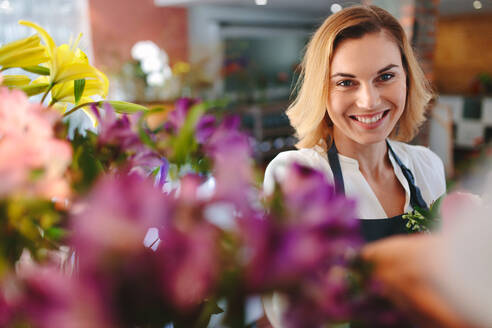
column 370, row 121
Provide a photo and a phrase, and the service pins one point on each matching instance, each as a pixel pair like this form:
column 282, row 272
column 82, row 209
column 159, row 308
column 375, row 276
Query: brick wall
column 424, row 34
column 116, row 25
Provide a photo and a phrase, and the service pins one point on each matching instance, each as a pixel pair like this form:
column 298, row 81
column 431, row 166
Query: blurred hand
column 407, row 267
column 263, row 322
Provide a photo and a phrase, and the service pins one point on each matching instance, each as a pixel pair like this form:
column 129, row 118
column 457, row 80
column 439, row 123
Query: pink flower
column 231, row 152
column 189, row 263
column 115, row 217
column 178, row 116
column 44, row 297
column 117, row 136
column 205, row 128
column 458, row 206
column 33, row 161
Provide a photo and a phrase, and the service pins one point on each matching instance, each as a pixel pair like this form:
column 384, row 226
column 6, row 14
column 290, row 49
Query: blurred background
column 248, row 52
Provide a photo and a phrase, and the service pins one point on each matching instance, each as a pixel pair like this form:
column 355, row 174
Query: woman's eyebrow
column 390, row 66
column 387, row 68
column 343, row 74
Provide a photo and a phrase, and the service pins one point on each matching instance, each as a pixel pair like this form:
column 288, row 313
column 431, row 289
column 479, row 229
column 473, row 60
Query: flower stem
column 47, row 91
column 97, row 103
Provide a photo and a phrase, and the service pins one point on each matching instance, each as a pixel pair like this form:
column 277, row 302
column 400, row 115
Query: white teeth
column 369, row 120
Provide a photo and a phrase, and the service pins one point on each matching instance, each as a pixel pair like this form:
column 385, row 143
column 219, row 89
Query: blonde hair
column 308, row 114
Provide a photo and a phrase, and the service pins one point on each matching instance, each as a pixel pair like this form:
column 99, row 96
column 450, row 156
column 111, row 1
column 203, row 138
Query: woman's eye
column 345, row 83
column 386, row 76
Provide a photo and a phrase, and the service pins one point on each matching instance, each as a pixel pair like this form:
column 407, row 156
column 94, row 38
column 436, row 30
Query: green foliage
column 423, row 220
column 184, row 144
column 124, row 107
column 27, row 223
column 78, row 89
column 86, row 167
column 40, row 70
column 35, row 88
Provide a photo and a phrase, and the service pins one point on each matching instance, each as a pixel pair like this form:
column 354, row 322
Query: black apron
column 374, row 229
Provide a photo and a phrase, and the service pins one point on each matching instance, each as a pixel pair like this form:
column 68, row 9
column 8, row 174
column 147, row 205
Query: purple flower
column 108, row 235
column 178, row 116
column 307, row 239
column 189, row 263
column 205, row 128
column 161, row 176
column 117, row 134
column 47, row 298
column 227, row 140
column 109, row 228
column 115, row 217
column 144, row 161
column 310, row 196
column 188, row 190
column 5, row 310
column 115, row 131
column 230, row 151
column 280, row 256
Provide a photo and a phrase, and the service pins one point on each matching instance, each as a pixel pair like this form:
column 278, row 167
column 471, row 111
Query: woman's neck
column 372, row 158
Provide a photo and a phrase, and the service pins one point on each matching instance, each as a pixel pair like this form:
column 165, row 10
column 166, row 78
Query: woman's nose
column 368, row 97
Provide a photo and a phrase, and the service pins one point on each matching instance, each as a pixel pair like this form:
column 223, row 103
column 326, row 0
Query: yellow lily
column 36, row 86
column 67, row 63
column 23, row 53
column 65, row 92
column 15, row 80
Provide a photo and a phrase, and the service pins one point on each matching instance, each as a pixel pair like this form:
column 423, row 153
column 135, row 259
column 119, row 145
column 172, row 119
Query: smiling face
column 367, row 89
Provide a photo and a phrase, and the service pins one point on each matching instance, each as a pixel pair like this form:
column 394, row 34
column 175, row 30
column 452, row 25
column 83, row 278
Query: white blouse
column 427, row 169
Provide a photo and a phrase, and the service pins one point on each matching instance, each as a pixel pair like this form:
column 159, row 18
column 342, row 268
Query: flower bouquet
column 135, row 226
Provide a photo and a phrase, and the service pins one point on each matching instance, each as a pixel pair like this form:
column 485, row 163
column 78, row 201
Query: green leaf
column 85, row 165
column 78, row 89
column 56, row 233
column 185, row 143
column 15, row 80
column 40, row 70
column 209, row 308
column 143, row 128
column 124, row 107
column 144, row 136
column 35, row 88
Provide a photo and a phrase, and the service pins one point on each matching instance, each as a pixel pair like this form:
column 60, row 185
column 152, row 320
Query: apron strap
column 336, row 169
column 416, row 199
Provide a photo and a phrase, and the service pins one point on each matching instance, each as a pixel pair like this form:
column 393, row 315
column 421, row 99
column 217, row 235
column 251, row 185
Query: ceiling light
column 261, row 2
column 335, row 8
column 477, row 4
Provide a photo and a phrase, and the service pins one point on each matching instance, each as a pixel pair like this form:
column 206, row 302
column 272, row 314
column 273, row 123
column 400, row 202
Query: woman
column 361, row 86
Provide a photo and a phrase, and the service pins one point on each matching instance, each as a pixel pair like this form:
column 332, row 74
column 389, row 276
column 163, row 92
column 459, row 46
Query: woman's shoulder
column 416, row 154
column 426, row 166
column 277, row 168
column 305, row 155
